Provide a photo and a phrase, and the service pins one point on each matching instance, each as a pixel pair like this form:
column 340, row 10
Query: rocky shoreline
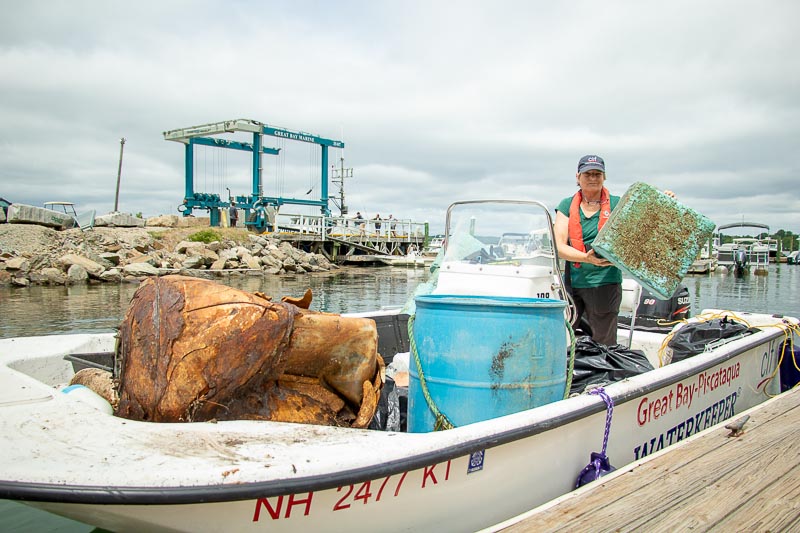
column 31, row 254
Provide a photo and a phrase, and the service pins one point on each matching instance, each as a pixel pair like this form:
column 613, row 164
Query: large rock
column 29, row 214
column 18, row 263
column 54, row 275
column 183, row 246
column 163, row 221
column 193, row 262
column 93, row 268
column 77, row 274
column 119, row 220
column 140, row 269
column 252, row 262
column 208, row 256
column 111, row 274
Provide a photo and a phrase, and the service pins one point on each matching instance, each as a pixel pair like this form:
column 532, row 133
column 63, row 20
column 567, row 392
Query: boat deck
column 711, row 482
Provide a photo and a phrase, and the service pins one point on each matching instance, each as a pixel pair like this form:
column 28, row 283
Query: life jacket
column 575, row 229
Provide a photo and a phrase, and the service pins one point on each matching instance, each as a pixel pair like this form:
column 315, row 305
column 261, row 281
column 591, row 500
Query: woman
column 596, row 283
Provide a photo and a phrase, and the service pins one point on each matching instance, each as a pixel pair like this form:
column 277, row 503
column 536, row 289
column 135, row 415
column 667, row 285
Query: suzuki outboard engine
column 740, row 261
column 652, row 310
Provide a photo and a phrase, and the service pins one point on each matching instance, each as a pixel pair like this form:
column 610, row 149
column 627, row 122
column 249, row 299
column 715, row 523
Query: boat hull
column 131, row 476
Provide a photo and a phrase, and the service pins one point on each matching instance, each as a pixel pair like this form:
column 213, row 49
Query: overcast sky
column 435, row 101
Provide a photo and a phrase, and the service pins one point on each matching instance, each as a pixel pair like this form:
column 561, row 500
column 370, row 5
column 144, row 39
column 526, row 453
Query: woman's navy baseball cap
column 591, row 162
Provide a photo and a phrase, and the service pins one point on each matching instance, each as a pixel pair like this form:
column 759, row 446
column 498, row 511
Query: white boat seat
column 631, row 293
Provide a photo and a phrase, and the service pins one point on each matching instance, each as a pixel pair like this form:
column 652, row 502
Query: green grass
column 205, row 236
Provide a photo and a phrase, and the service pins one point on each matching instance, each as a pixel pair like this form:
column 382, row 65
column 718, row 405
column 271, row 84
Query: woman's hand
column 592, row 258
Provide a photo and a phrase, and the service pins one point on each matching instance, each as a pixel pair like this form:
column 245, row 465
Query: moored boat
column 411, row 259
column 65, row 456
column 757, row 251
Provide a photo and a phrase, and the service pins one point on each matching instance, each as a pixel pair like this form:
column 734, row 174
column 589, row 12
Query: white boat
column 707, row 259
column 64, row 455
column 758, row 251
column 434, row 247
column 411, row 259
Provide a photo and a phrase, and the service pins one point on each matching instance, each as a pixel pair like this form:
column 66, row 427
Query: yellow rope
column 789, row 331
column 571, row 362
column 703, row 317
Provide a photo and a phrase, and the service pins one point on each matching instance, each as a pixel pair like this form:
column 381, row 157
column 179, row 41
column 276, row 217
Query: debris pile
column 193, row 350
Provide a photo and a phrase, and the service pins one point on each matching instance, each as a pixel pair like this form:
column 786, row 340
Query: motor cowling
column 652, row 310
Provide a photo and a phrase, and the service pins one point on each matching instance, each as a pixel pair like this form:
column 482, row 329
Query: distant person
column 392, row 225
column 360, row 222
column 596, row 285
column 233, row 214
column 377, row 223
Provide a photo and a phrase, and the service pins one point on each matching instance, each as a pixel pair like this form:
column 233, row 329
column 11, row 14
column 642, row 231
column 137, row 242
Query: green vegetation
column 205, row 236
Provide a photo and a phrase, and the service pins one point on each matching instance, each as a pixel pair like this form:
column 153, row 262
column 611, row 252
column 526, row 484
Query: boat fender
column 599, row 465
column 88, row 396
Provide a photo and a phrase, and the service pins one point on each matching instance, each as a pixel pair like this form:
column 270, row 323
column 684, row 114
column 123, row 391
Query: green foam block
column 653, row 238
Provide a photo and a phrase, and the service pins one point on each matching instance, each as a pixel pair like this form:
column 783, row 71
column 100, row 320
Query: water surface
column 98, row 308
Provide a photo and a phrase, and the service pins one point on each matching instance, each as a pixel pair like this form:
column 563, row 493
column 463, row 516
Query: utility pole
column 337, row 176
column 119, row 173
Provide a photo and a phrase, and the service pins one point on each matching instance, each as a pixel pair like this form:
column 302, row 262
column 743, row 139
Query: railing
column 351, row 228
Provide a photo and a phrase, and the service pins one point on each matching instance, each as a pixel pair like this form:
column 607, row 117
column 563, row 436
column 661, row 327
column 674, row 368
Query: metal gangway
column 385, row 236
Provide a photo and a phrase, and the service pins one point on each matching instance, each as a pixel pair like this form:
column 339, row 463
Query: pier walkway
column 711, row 482
column 341, row 239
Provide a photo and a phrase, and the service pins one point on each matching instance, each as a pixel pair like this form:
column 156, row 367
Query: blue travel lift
column 260, row 209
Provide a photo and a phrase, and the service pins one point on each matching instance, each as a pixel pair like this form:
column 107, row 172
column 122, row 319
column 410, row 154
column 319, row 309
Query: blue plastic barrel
column 485, row 356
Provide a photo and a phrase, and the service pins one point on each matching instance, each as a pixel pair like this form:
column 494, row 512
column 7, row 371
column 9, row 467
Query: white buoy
column 88, row 396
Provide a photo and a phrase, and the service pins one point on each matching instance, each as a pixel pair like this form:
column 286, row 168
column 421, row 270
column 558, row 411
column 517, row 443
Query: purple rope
column 598, row 460
column 600, row 391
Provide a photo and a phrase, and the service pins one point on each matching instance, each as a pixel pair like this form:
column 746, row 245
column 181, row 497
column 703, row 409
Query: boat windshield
column 498, row 232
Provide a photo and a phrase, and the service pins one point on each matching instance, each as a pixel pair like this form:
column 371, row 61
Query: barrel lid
column 496, row 301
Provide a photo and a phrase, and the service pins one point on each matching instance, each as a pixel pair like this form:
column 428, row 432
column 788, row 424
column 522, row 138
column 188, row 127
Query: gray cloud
column 435, row 102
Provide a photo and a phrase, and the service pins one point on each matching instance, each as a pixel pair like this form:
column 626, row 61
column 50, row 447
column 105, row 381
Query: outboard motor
column 740, row 261
column 652, row 310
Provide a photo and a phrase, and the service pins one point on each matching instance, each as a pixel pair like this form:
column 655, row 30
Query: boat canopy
column 743, row 225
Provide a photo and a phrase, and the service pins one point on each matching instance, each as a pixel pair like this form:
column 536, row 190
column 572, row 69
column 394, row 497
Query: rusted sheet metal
column 653, row 238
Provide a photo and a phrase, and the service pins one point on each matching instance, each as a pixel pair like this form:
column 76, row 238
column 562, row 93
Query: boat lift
column 261, row 210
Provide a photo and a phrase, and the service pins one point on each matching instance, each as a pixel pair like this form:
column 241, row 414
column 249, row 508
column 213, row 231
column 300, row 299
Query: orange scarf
column 575, row 229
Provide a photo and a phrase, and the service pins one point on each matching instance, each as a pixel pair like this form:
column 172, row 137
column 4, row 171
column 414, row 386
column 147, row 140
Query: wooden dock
column 709, row 482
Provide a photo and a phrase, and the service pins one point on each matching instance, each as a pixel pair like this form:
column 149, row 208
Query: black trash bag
column 597, row 364
column 692, row 339
column 387, row 415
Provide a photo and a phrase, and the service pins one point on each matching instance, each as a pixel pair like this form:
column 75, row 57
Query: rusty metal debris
column 195, row 350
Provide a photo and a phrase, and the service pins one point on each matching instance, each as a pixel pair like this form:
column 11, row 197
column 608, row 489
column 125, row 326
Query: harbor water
column 99, row 308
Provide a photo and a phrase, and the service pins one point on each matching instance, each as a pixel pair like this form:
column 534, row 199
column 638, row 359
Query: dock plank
column 712, row 481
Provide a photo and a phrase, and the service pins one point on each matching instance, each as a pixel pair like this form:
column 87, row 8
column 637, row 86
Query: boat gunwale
column 220, row 493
